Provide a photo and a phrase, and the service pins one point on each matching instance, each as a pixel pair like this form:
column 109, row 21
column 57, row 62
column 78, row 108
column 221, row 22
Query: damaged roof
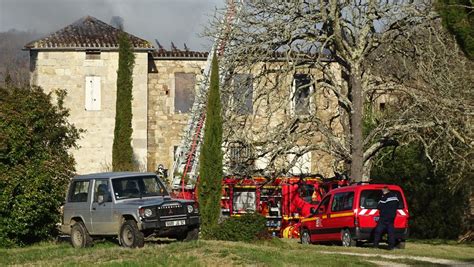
column 182, row 54
column 87, row 33
column 162, row 53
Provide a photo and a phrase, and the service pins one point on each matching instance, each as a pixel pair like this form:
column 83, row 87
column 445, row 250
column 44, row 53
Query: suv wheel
column 305, row 237
column 346, row 239
column 401, row 244
column 80, row 238
column 190, row 235
column 130, row 236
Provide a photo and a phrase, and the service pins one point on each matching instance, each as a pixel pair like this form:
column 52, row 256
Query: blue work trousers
column 385, row 227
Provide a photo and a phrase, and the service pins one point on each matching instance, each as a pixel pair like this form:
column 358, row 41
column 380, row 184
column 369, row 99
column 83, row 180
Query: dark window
column 135, row 187
column 369, row 199
column 243, row 94
column 343, row 201
column 101, row 188
column 184, row 91
column 382, row 106
column 33, row 59
column 79, row 191
column 92, row 55
column 302, row 87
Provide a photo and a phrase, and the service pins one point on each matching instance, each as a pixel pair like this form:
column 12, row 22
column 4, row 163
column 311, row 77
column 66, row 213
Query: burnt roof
column 164, row 54
column 87, row 33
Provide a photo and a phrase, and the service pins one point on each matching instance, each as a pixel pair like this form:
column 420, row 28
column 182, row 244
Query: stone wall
column 273, row 106
column 164, row 123
column 68, row 70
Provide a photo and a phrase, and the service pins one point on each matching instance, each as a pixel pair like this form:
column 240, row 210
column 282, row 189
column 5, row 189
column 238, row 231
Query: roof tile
column 87, row 32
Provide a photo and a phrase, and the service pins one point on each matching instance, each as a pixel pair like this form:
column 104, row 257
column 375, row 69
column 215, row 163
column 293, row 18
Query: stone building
column 82, row 58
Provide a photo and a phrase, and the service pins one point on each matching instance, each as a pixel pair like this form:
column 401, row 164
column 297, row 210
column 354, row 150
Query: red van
column 349, row 214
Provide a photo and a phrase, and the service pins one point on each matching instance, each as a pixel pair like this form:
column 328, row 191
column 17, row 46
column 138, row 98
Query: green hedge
column 246, row 228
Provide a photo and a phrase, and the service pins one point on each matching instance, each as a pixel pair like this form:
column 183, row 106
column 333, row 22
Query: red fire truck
column 284, row 201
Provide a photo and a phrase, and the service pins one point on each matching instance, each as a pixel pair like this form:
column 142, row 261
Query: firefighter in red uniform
column 387, row 207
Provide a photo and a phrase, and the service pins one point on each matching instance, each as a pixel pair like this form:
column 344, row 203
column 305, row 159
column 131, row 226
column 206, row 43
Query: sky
column 178, row 21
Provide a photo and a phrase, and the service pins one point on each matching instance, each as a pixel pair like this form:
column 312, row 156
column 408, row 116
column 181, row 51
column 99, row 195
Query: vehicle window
column 101, row 187
column 79, row 191
column 306, row 192
column 138, row 187
column 369, row 199
column 343, row 201
column 325, row 202
column 244, row 201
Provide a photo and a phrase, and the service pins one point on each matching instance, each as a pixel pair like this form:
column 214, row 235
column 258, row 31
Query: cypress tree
column 122, row 152
column 458, row 18
column 210, row 168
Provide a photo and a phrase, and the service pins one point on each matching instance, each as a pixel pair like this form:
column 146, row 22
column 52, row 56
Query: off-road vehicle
column 130, row 206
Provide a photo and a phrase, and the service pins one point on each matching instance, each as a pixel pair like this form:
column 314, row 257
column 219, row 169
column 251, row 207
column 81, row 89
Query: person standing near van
column 387, row 207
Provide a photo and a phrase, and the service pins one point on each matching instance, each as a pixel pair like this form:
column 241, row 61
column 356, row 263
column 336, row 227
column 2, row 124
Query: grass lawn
column 219, row 253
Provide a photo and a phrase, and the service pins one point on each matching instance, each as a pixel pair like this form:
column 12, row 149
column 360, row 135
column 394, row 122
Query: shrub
column 35, row 163
column 247, row 228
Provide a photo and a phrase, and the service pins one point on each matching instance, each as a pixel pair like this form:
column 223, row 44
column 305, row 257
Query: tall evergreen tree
column 122, row 151
column 458, row 17
column 210, row 168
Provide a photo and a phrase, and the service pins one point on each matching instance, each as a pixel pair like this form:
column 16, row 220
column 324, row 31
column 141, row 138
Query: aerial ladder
column 185, row 171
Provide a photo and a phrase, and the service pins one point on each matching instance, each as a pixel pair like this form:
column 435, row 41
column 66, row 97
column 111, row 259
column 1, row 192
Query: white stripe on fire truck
column 401, row 212
column 362, row 212
column 372, row 212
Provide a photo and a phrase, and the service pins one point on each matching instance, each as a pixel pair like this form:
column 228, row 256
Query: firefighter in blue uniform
column 387, row 207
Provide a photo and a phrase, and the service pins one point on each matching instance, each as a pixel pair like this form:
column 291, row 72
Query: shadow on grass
column 113, row 241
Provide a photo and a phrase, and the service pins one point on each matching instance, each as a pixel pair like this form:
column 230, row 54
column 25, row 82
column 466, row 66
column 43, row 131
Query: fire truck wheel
column 305, row 238
column 346, row 239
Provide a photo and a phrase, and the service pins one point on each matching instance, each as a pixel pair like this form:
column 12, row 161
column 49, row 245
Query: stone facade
column 165, row 123
column 272, row 106
column 82, row 58
column 68, row 70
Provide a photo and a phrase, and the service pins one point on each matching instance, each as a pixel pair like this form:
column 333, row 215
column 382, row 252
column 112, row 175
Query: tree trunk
column 357, row 142
column 366, row 170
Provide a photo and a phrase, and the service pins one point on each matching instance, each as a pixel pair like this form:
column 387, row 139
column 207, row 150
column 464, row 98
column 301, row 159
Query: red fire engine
column 284, row 201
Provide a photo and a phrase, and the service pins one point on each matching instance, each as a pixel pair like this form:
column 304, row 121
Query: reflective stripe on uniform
column 389, row 199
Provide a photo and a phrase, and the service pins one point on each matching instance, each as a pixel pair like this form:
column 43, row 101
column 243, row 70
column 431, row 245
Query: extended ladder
column 185, row 167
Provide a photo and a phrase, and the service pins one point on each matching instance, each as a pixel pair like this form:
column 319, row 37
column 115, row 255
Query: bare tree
column 434, row 83
column 320, row 72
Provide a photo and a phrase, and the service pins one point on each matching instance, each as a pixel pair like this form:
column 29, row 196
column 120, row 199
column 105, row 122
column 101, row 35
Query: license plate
column 175, row 223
